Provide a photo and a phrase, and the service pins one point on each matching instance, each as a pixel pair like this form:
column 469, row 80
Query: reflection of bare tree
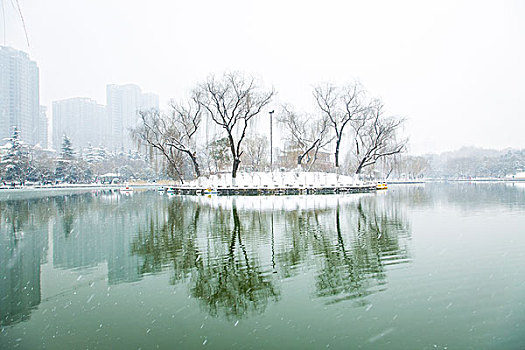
column 214, row 247
column 233, row 284
column 223, row 276
column 351, row 246
column 305, row 227
column 172, row 243
column 354, row 266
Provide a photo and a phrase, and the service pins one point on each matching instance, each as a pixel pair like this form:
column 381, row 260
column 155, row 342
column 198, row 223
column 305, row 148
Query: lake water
column 415, row 267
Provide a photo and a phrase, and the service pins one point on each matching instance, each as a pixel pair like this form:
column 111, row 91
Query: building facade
column 83, row 120
column 123, row 104
column 19, row 95
column 42, row 133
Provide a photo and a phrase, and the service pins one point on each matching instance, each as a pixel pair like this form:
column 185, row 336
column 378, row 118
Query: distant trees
column 256, row 152
column 414, row 167
column 305, row 135
column 464, row 163
column 21, row 164
column 42, row 168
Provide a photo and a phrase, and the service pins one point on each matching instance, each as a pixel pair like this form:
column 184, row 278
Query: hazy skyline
column 453, row 69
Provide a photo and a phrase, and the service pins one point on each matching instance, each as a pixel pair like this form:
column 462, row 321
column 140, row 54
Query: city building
column 123, row 104
column 83, row 120
column 19, row 95
column 149, row 101
column 42, row 129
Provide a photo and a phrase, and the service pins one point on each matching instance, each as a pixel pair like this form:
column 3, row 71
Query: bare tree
column 389, row 165
column 186, row 119
column 173, row 132
column 305, row 135
column 232, row 102
column 154, row 129
column 375, row 136
column 256, row 151
column 340, row 106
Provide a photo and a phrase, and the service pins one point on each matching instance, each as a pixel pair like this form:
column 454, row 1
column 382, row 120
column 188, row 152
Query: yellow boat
column 209, row 191
column 382, row 186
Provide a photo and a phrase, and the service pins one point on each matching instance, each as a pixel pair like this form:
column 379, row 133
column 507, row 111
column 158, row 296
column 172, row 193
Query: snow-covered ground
column 277, row 179
column 518, row 176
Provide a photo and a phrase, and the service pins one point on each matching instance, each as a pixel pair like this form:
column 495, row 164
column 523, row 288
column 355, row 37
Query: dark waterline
column 418, row 267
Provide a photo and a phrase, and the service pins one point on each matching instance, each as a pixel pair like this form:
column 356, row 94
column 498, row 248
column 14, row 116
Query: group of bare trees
column 345, row 116
column 346, row 121
column 172, row 135
column 231, row 101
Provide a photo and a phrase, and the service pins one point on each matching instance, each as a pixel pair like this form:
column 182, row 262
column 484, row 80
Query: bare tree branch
column 375, row 136
column 231, row 103
column 305, row 135
column 172, row 135
column 340, row 106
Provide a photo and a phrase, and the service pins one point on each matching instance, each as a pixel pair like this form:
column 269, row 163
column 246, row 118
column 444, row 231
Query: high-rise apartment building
column 43, row 122
column 123, row 104
column 149, row 101
column 19, row 95
column 83, row 120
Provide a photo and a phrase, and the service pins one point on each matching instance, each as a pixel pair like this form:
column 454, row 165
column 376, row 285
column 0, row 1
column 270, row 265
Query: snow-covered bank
column 277, row 179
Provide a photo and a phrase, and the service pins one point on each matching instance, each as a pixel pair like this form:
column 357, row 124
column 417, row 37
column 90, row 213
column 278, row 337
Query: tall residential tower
column 123, row 104
column 19, row 95
column 82, row 119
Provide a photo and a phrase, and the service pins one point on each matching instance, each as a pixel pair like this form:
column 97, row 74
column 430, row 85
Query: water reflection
column 349, row 243
column 231, row 254
column 23, row 248
column 224, row 275
column 354, row 265
column 233, row 283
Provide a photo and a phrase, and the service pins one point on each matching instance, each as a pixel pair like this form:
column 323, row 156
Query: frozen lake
column 415, row 267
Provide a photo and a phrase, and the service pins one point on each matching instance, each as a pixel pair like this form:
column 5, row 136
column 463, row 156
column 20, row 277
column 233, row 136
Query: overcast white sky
column 454, row 69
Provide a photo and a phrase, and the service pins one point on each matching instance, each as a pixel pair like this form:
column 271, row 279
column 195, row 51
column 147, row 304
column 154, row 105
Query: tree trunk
column 337, row 144
column 180, row 178
column 236, row 164
column 300, row 159
column 179, row 175
column 360, row 167
column 195, row 164
column 388, row 174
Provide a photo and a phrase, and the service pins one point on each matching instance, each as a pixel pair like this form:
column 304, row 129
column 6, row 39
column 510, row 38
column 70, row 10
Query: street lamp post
column 271, row 141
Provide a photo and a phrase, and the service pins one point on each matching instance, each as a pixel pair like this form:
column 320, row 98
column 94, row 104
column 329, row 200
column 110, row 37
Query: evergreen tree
column 67, row 149
column 66, row 165
column 16, row 163
column 90, row 155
